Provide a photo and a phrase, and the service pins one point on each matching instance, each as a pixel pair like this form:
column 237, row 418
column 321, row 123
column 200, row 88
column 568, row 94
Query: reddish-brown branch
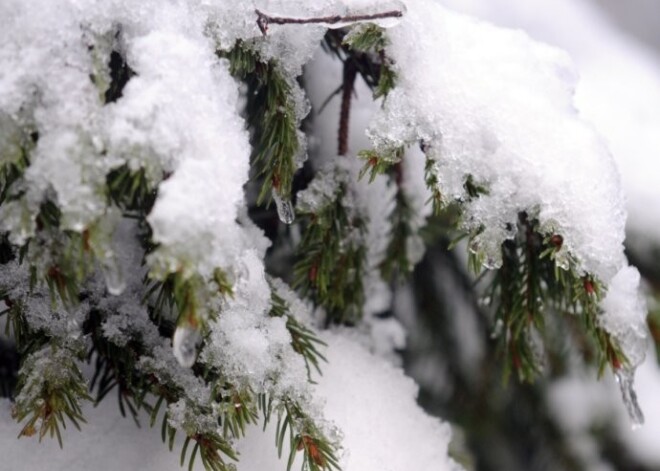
column 264, row 19
column 350, row 73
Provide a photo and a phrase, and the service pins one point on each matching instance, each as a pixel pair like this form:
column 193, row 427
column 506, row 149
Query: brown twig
column 350, row 73
column 264, row 19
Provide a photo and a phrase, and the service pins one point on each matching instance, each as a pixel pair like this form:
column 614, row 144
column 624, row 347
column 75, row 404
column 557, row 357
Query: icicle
column 73, row 328
column 285, row 209
column 497, row 329
column 184, row 345
column 626, row 377
column 114, row 279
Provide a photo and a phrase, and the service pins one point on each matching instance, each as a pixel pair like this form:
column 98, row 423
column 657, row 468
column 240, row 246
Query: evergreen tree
column 173, row 215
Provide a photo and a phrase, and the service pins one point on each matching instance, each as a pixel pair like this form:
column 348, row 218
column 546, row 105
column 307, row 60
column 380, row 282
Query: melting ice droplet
column 625, row 378
column 114, row 279
column 184, row 345
column 285, row 209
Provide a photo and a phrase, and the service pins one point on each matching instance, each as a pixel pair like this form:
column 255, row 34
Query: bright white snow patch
column 371, row 402
column 373, row 405
column 493, row 104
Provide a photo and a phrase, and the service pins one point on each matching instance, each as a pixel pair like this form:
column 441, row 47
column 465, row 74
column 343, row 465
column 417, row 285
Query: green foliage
column 70, row 254
column 397, row 260
column 51, row 389
column 303, row 435
column 271, row 118
column 182, row 299
column 474, row 189
column 370, row 38
column 16, row 325
column 12, row 170
column 131, row 191
column 303, row 340
column 238, row 408
column 116, row 367
column 211, row 448
column 432, row 183
column 379, row 162
column 366, row 37
column 532, row 282
column 654, row 327
column 331, row 261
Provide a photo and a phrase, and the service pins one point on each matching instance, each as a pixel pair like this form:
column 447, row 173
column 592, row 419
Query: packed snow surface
column 371, row 402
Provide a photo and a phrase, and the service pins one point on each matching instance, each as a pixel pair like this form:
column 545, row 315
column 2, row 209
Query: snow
column 619, row 92
column 362, row 395
column 609, row 62
column 474, row 104
column 469, row 91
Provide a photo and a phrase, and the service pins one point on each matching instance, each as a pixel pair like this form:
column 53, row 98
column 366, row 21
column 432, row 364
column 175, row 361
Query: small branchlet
column 209, row 444
column 188, row 303
column 397, row 259
column 115, row 367
column 13, row 169
column 303, row 435
column 379, row 162
column 364, row 47
column 272, row 119
column 534, row 279
column 51, row 388
column 331, row 260
column 303, row 340
column 237, row 409
column 16, row 325
column 653, row 321
column 180, row 299
column 371, row 39
column 211, row 449
column 70, row 253
column 474, row 189
column 433, row 184
column 131, row 191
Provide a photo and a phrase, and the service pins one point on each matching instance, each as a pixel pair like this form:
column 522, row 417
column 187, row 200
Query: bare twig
column 264, row 19
column 350, row 73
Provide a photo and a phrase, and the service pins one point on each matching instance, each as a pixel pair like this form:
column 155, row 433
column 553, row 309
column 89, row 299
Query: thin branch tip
column 264, row 19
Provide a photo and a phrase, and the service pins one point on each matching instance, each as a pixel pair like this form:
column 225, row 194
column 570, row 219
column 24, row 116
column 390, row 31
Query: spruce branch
column 331, row 261
column 131, row 191
column 13, row 170
column 116, row 367
column 51, row 388
column 369, row 41
column 379, row 162
column 303, row 340
column 319, row 453
column 533, row 280
column 397, row 260
column 16, row 325
column 272, row 119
